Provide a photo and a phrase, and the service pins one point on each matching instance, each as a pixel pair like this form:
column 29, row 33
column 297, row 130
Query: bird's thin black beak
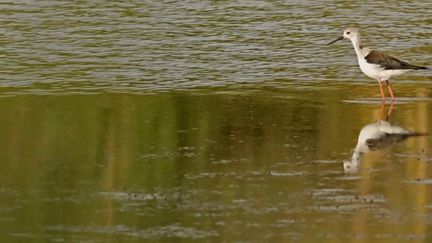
column 338, row 39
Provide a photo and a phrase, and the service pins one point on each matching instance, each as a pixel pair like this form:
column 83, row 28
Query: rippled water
column 133, row 121
column 145, row 46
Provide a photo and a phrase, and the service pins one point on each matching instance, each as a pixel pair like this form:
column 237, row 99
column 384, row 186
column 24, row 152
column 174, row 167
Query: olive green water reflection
column 260, row 166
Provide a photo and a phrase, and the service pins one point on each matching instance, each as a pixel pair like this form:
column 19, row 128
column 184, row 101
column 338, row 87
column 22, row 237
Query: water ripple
column 146, row 46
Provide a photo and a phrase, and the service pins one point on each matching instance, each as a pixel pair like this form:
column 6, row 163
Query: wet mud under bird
column 214, row 121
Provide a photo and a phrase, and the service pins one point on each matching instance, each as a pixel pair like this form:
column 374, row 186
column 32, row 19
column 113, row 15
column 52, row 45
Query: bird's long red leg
column 382, row 113
column 383, row 98
column 390, row 111
column 390, row 90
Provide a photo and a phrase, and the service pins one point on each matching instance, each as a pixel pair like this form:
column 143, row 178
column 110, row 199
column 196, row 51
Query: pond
column 211, row 121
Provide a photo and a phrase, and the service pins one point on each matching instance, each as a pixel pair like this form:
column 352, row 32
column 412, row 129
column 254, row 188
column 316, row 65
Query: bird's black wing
column 388, row 62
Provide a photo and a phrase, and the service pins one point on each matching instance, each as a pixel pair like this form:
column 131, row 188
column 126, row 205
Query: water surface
column 137, row 121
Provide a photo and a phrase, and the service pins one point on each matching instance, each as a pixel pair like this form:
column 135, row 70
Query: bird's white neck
column 357, row 44
column 359, row 149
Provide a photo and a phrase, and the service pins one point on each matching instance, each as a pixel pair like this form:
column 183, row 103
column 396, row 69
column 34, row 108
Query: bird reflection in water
column 376, row 136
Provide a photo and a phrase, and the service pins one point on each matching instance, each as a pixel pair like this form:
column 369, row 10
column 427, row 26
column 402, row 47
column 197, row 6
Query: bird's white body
column 381, row 130
column 371, row 70
column 376, row 136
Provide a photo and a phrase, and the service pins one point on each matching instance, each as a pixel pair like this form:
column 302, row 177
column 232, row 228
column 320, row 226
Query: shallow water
column 208, row 121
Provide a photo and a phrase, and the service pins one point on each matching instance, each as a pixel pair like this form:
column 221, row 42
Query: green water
column 208, row 121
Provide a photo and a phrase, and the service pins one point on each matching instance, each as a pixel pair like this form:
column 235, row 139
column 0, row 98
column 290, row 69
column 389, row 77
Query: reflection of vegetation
column 205, row 159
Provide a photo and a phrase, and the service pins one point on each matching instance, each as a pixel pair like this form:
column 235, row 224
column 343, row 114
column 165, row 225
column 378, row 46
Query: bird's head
column 349, row 33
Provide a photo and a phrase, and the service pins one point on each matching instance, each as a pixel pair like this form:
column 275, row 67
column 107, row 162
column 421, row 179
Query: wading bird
column 376, row 64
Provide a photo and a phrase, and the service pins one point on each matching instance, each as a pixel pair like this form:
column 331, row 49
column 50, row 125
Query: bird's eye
column 348, row 33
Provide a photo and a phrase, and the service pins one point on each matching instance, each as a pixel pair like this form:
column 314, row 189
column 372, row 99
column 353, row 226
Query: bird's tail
column 419, row 67
column 416, row 134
